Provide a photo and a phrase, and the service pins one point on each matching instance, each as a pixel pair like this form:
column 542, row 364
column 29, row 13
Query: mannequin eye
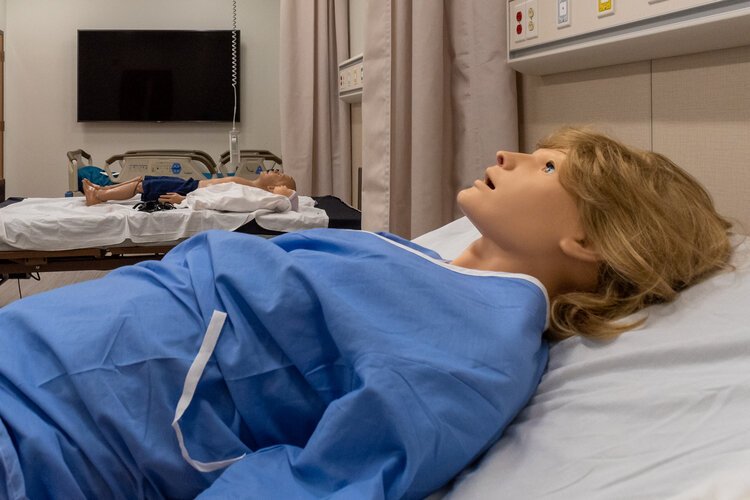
column 549, row 167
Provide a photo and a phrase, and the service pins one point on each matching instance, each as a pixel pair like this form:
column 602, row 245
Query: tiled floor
column 12, row 290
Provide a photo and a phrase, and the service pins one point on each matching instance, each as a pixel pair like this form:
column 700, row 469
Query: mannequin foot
column 89, row 191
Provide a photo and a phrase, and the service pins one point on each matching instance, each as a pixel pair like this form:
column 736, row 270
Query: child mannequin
column 173, row 189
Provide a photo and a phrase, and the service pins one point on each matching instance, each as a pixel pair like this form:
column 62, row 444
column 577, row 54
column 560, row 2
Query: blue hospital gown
column 350, row 365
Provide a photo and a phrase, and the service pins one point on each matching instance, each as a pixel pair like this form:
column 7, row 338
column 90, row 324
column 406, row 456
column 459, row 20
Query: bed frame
column 22, row 263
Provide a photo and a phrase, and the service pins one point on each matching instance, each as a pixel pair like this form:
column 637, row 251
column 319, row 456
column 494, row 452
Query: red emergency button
column 519, row 16
column 519, row 29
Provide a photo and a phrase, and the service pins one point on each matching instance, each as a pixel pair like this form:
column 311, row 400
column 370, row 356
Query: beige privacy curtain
column 438, row 102
column 315, row 128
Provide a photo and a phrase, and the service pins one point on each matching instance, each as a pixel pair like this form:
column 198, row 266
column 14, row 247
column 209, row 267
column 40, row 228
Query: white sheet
column 234, row 197
column 661, row 412
column 306, row 217
column 67, row 223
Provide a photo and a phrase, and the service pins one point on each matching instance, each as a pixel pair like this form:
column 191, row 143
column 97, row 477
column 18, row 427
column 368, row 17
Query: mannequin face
column 521, row 206
column 267, row 180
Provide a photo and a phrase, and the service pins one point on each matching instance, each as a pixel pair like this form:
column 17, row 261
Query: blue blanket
column 350, row 365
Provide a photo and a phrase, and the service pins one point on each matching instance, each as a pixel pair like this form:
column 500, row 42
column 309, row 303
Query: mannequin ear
column 579, row 249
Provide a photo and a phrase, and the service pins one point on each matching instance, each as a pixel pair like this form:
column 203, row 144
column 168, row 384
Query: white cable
column 234, row 58
column 234, row 134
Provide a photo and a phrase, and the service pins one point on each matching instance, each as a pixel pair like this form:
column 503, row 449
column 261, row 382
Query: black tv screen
column 156, row 75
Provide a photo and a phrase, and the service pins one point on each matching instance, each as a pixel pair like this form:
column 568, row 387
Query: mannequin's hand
column 172, row 198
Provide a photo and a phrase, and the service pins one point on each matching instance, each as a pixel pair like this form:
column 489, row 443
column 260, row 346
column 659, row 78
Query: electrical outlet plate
column 517, row 23
column 352, row 79
column 532, row 19
column 563, row 13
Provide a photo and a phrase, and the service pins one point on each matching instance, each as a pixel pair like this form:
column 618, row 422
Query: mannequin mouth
column 489, row 182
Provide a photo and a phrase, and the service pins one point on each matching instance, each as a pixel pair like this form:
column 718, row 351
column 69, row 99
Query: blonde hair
column 654, row 226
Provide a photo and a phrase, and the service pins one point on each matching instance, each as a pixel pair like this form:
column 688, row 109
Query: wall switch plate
column 563, row 13
column 532, row 19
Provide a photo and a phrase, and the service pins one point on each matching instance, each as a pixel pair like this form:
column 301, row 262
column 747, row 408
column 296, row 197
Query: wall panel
column 695, row 109
column 615, row 99
column 701, row 119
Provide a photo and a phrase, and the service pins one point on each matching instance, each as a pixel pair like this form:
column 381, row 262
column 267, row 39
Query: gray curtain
column 315, row 127
column 438, row 102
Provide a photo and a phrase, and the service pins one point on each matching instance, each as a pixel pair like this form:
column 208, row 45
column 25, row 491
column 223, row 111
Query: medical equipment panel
column 553, row 36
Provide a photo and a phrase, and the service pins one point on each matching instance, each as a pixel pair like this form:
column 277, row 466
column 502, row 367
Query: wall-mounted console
column 553, row 36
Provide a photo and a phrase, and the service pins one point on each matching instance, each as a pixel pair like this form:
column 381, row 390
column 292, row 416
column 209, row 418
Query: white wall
column 2, row 15
column 356, row 27
column 40, row 78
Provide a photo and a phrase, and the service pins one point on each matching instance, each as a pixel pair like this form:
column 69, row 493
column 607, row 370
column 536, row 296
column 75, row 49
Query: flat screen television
column 156, row 75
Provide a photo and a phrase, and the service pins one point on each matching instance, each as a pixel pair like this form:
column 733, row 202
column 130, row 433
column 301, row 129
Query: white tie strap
column 191, row 382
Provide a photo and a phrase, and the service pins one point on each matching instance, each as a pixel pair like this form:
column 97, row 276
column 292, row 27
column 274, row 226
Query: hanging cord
column 36, row 278
column 234, row 59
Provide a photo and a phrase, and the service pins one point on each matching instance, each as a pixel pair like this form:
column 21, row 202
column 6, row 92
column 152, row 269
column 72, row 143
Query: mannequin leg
column 98, row 194
column 114, row 186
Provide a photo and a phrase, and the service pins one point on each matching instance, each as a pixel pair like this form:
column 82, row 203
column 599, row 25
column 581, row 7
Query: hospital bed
column 21, row 255
column 660, row 412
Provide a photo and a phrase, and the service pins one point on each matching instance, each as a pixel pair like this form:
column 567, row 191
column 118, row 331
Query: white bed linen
column 660, row 412
column 234, row 197
column 67, row 223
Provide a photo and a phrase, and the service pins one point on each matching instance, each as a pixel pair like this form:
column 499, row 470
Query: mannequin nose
column 501, row 158
column 507, row 159
column 510, row 160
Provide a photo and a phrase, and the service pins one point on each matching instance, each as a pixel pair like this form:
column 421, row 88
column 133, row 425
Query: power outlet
column 532, row 19
column 517, row 23
column 563, row 13
column 352, row 79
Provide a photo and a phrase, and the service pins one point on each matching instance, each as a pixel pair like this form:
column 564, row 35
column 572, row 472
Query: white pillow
column 661, row 411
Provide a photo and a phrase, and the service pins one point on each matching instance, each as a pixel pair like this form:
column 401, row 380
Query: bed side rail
column 252, row 162
column 76, row 159
column 184, row 165
column 205, row 157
